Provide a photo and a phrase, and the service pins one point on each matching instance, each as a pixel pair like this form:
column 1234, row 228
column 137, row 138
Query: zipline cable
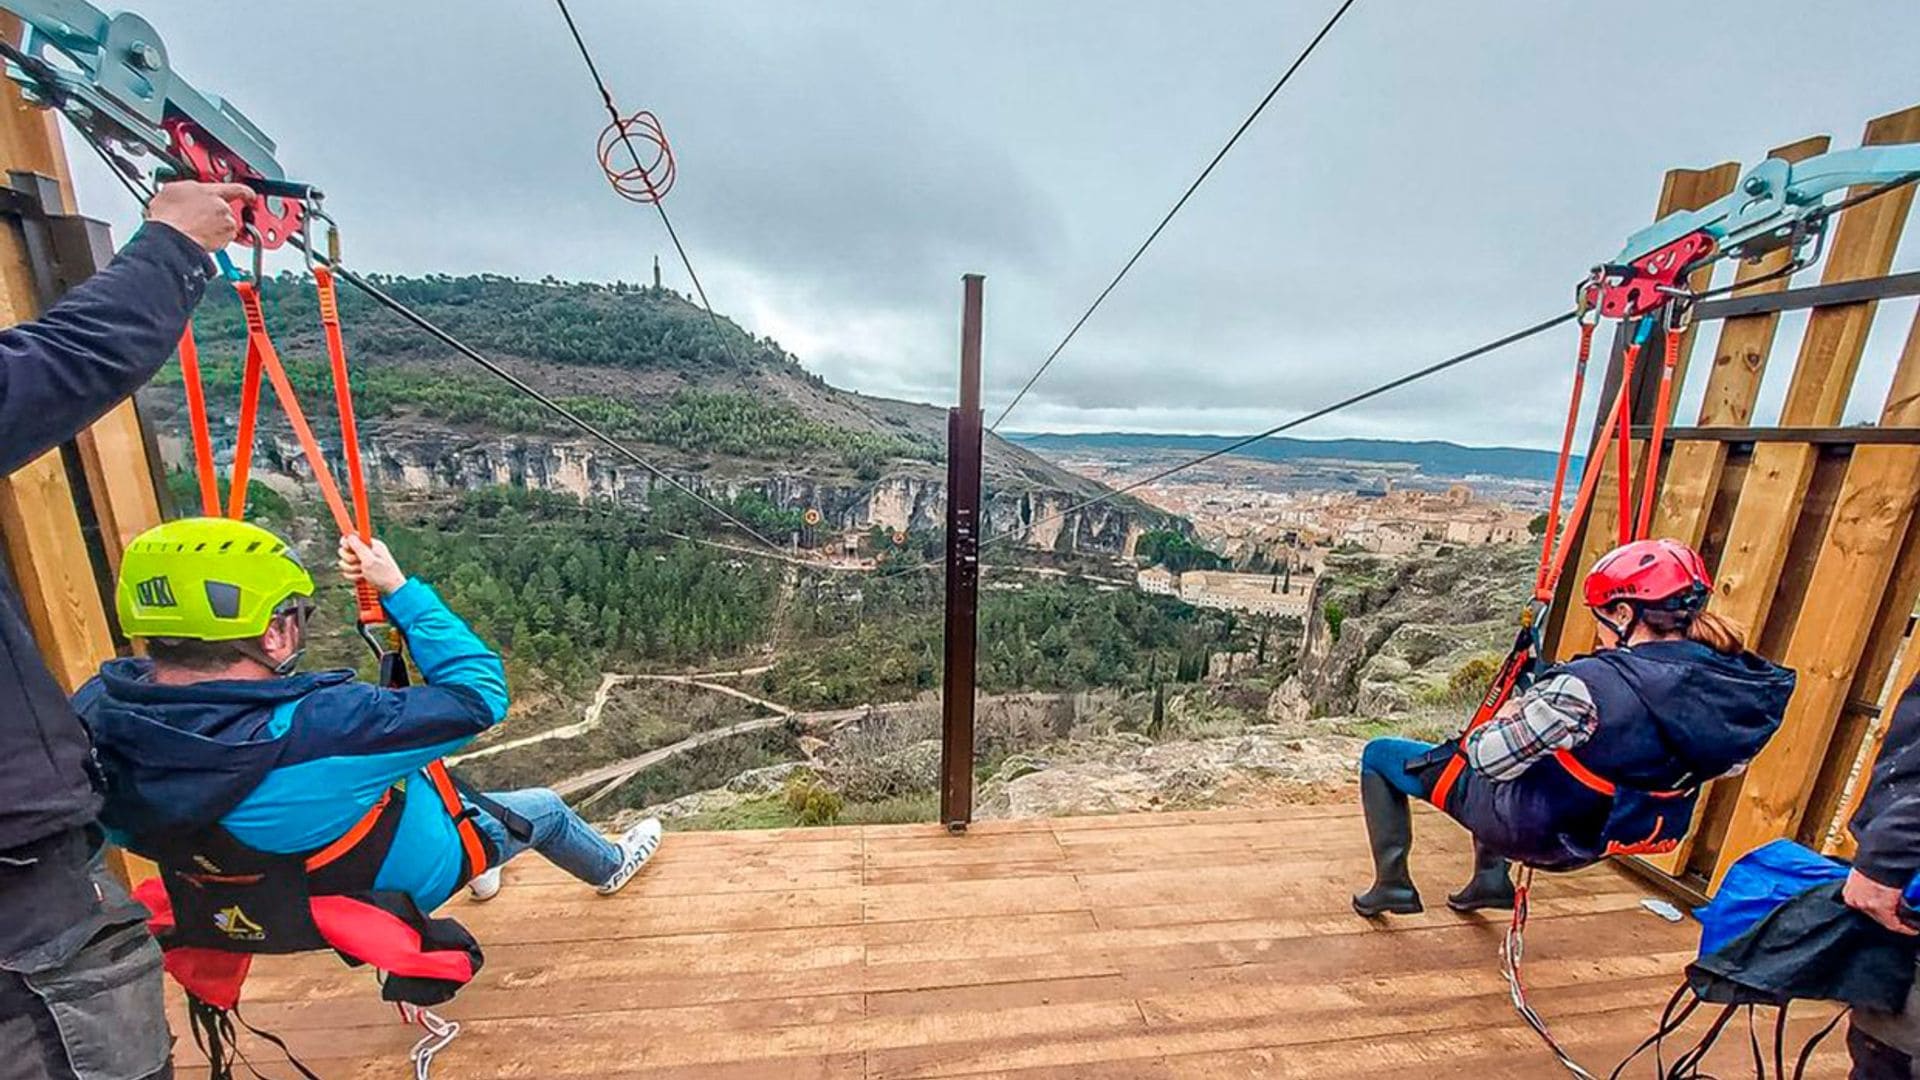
column 619, row 125
column 380, row 296
column 1430, row 370
column 1825, row 213
column 1158, row 229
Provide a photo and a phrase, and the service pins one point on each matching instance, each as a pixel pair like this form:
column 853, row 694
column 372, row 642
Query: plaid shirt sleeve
column 1557, row 713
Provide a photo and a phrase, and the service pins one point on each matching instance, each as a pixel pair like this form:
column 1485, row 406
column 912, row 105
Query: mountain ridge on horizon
column 1435, row 457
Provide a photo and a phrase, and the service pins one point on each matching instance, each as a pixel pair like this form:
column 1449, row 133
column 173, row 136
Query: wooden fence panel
column 1830, row 636
column 1903, row 408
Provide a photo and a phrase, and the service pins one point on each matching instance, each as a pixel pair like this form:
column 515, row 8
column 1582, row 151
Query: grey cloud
column 1438, row 174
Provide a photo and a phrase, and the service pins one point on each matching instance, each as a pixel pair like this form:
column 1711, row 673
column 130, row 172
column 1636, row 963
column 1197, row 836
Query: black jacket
column 1888, row 822
column 58, row 374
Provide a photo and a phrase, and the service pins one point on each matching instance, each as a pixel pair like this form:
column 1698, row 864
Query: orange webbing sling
column 1557, row 546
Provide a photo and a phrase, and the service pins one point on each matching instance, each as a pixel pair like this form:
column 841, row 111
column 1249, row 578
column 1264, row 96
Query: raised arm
column 108, row 336
column 447, row 651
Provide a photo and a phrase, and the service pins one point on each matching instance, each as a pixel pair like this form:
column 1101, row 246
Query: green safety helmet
column 206, row 579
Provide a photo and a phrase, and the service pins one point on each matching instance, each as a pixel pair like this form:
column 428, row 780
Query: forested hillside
column 728, row 413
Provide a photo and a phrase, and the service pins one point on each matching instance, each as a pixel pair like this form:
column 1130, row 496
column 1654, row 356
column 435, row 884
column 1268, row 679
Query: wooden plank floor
column 1211, row 944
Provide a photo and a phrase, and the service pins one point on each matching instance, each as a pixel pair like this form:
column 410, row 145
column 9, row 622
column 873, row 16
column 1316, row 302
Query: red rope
column 249, row 411
column 1624, row 414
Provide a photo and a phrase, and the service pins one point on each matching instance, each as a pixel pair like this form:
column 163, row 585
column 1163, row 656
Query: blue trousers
column 1387, row 757
column 561, row 835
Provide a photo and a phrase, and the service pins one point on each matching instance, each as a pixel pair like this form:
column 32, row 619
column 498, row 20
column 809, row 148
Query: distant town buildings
column 1283, row 594
column 1280, row 528
column 1159, row 581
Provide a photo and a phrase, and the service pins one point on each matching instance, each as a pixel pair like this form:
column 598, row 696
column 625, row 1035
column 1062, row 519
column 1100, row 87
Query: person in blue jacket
column 216, row 728
column 80, row 990
column 1602, row 755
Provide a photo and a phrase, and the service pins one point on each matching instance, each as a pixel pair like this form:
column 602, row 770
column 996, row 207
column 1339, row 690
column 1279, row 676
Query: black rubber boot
column 1390, row 832
column 1490, row 887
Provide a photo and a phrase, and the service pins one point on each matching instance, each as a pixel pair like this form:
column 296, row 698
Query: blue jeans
column 1388, row 757
column 558, row 833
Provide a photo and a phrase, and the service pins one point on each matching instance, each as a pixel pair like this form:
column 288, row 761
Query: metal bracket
column 1777, row 203
column 110, row 76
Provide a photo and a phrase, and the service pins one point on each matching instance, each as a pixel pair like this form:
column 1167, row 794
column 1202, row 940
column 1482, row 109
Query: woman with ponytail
column 1602, row 755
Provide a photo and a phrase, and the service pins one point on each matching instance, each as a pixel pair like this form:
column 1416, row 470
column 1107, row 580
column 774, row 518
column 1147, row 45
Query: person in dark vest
column 1886, row 865
column 1602, row 755
column 80, row 992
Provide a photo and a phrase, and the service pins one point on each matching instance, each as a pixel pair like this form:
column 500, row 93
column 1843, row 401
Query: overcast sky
column 1438, row 173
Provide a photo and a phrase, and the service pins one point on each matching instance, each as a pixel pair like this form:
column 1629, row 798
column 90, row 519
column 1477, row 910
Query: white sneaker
column 636, row 847
column 486, row 886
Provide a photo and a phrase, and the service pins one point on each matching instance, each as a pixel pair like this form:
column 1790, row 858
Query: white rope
column 440, row 1032
column 1511, row 952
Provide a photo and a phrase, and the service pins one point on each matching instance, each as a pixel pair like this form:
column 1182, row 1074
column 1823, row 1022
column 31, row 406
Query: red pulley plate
column 273, row 218
column 1627, row 293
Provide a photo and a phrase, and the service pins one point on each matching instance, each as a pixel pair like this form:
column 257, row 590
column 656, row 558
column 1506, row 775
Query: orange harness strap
column 471, row 841
column 352, row 837
column 263, row 357
column 365, row 595
column 1670, row 363
column 197, row 423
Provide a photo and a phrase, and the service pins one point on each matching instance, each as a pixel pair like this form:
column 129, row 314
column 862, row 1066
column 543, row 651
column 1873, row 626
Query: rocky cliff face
column 429, row 459
column 1406, row 627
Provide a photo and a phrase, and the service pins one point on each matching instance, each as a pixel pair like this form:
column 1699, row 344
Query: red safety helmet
column 1661, row 574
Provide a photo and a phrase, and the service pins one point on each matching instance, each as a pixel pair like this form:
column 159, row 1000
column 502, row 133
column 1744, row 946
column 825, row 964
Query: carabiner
column 306, row 232
column 259, row 250
column 1586, row 296
column 1677, row 315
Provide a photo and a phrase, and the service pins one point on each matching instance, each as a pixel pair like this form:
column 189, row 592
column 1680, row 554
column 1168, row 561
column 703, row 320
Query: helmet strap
column 1623, row 631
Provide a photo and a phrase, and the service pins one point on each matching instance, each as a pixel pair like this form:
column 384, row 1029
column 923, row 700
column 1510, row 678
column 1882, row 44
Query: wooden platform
column 1213, row 944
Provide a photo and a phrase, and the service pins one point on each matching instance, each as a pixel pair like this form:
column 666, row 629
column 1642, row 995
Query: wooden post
column 964, row 437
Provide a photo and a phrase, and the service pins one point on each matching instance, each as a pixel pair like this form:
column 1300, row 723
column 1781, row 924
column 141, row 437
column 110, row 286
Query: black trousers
column 1875, row 1060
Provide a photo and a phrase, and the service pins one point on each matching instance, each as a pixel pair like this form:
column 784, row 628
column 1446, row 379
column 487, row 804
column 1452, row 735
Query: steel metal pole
column 964, row 426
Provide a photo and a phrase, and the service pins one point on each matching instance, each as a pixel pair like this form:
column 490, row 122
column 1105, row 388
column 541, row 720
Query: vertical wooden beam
column 1850, row 576
column 1903, row 407
column 964, row 435
column 44, row 543
column 1733, row 386
column 1853, row 732
column 1683, row 189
